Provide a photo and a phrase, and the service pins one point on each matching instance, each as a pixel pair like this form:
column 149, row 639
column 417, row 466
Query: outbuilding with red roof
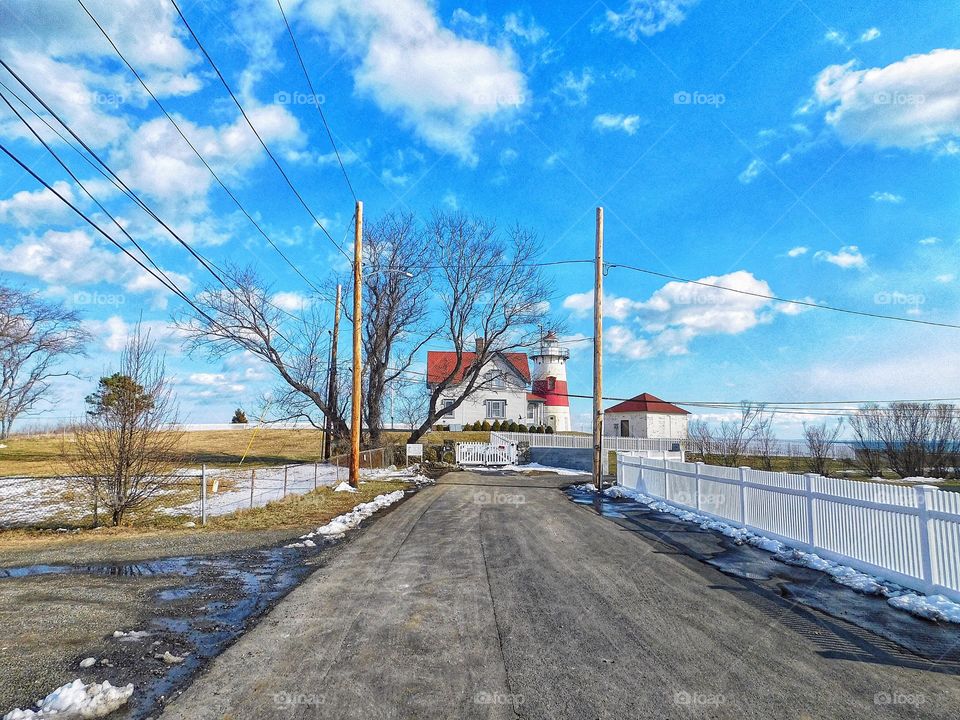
column 645, row 416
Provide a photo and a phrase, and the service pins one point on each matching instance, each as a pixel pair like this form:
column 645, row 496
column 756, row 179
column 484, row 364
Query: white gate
column 477, row 453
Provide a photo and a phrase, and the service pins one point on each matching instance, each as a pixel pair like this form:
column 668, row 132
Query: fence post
column 698, row 471
column 253, row 474
column 315, row 469
column 203, row 494
column 666, row 481
column 924, row 493
column 811, row 520
column 284, row 480
column 641, row 483
column 743, row 495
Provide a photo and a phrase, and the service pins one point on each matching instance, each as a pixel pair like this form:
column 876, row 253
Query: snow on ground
column 77, row 700
column 526, row 468
column 932, row 607
column 340, row 524
column 25, row 500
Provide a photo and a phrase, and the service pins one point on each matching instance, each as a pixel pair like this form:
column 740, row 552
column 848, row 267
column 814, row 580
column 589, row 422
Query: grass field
column 43, row 455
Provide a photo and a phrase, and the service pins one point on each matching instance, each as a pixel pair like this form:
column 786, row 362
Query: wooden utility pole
column 332, row 385
column 357, row 329
column 598, row 357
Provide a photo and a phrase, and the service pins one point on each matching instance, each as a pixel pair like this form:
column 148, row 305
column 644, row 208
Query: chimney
column 480, row 343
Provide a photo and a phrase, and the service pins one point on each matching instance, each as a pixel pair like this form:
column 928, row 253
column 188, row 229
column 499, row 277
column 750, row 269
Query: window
column 496, row 408
column 551, row 383
column 444, row 404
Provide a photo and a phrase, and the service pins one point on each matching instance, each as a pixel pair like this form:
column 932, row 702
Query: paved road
column 496, row 597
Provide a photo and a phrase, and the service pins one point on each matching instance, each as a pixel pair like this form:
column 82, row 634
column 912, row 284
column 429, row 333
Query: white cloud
column 646, row 17
column 797, row 251
column 945, row 278
column 849, row 256
column 441, row 85
column 751, row 172
column 673, row 316
column 574, row 89
column 929, row 240
column 524, row 28
column 886, row 197
column 290, row 301
column 114, row 332
column 869, row 35
column 913, row 103
column 451, row 201
column 836, row 37
column 553, row 159
column 28, row 208
column 623, row 123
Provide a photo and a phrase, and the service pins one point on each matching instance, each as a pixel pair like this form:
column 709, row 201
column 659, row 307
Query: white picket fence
column 909, row 535
column 495, row 453
column 586, row 441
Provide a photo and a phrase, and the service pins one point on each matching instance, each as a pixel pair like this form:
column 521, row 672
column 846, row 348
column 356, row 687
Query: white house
column 645, row 416
column 507, row 393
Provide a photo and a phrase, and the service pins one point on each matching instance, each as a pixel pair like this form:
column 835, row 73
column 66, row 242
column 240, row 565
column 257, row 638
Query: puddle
column 169, row 566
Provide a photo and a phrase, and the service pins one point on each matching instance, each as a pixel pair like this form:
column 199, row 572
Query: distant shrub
column 549, row 430
column 512, row 427
column 496, row 425
column 485, row 427
column 521, row 428
column 239, row 417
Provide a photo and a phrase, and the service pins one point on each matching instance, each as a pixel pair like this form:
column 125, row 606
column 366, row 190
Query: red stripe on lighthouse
column 556, row 397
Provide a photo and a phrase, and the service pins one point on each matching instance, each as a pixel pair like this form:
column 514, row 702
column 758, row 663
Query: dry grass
column 42, row 455
column 297, row 511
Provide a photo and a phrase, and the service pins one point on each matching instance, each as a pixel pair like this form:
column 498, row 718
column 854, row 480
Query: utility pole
column 598, row 357
column 357, row 329
column 332, row 386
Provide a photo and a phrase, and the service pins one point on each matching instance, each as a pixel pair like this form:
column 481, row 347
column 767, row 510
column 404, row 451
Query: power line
column 255, row 132
column 803, row 303
column 195, row 151
column 118, row 182
column 316, row 101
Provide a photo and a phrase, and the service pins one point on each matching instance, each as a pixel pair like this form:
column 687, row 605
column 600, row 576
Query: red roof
column 441, row 363
column 647, row 403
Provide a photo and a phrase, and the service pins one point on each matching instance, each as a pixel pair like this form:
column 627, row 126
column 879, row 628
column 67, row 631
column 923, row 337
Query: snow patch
column 337, row 527
column 77, row 700
column 345, row 487
column 527, row 468
column 932, row 607
column 131, row 636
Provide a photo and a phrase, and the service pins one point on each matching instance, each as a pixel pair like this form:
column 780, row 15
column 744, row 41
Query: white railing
column 909, row 535
column 586, row 441
column 476, row 453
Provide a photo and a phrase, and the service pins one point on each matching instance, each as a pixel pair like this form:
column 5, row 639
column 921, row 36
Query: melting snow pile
column 932, row 607
column 527, row 468
column 345, row 487
column 76, row 700
column 340, row 524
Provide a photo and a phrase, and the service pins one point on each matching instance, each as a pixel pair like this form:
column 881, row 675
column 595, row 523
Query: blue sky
column 803, row 149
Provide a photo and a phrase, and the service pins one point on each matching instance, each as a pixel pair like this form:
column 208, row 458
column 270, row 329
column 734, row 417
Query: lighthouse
column 549, row 375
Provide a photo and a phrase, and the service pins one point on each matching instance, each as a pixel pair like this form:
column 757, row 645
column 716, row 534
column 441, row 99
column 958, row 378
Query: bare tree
column 489, row 288
column 35, row 338
column 701, row 439
column 916, row 438
column 764, row 438
column 411, row 405
column 734, row 436
column 247, row 318
column 867, row 447
column 820, row 438
column 124, row 449
column 396, row 287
